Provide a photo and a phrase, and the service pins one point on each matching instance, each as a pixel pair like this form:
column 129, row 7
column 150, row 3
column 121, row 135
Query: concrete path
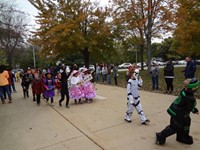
column 95, row 126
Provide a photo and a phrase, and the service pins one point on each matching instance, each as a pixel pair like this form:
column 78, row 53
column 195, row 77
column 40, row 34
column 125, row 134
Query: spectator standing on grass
column 115, row 73
column 109, row 73
column 190, row 68
column 97, row 72
column 154, row 72
column 169, row 76
column 104, row 72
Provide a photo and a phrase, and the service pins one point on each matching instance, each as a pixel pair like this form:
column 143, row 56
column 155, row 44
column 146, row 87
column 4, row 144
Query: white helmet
column 136, row 73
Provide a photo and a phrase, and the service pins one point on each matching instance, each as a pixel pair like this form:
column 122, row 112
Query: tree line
column 90, row 33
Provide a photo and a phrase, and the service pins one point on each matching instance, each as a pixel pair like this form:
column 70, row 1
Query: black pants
column 63, row 97
column 115, row 78
column 25, row 91
column 50, row 98
column 38, row 97
column 181, row 128
column 169, row 82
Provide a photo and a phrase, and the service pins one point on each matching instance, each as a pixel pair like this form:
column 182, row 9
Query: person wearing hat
column 179, row 111
column 75, row 91
column 88, row 87
column 49, row 85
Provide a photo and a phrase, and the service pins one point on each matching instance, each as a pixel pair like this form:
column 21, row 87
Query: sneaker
column 67, row 106
column 145, row 122
column 52, row 104
column 127, row 120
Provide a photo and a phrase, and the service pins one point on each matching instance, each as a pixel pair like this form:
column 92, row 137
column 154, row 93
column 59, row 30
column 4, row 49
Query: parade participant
column 179, row 111
column 133, row 85
column 88, row 86
column 37, row 88
column 4, row 84
column 64, row 86
column 49, row 85
column 75, row 91
column 26, row 81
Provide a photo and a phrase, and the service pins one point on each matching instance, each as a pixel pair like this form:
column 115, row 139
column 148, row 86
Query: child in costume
column 37, row 88
column 179, row 111
column 49, row 85
column 88, row 86
column 133, row 85
column 26, row 81
column 75, row 91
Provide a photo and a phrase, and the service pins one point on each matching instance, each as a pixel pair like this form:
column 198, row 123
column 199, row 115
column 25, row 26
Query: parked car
column 139, row 64
column 124, row 65
column 182, row 62
column 16, row 70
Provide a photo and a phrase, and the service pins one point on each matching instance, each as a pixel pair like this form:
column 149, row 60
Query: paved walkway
column 95, row 126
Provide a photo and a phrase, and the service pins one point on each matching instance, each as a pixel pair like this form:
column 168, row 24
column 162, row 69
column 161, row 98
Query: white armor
column 133, row 98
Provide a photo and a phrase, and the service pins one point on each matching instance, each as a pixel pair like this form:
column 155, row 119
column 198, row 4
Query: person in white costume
column 133, row 86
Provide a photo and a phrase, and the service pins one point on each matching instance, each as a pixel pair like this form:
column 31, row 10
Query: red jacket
column 37, row 86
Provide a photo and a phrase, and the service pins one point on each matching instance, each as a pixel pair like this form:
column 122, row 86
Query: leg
column 1, row 95
column 167, row 82
column 168, row 131
column 183, row 135
column 153, row 83
column 156, row 82
column 138, row 107
column 129, row 111
column 38, row 99
column 67, row 101
column 62, row 98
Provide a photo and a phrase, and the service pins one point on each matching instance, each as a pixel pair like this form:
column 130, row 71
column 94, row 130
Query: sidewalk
column 95, row 126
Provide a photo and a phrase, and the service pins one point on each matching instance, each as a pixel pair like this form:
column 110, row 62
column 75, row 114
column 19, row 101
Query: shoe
column 127, row 120
column 52, row 104
column 3, row 102
column 67, row 106
column 60, row 104
column 145, row 122
column 158, row 139
column 186, row 140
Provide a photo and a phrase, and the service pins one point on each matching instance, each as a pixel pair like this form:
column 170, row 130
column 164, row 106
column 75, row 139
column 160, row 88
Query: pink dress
column 75, row 91
column 88, row 88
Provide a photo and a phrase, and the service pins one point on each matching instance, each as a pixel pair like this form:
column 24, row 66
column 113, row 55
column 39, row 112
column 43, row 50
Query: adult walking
column 64, row 86
column 154, row 72
column 190, row 68
column 169, row 76
column 4, row 84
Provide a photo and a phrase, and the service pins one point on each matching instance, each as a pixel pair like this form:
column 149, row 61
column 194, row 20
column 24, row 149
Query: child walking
column 133, row 85
column 179, row 111
column 49, row 85
column 75, row 91
column 88, row 86
column 37, row 88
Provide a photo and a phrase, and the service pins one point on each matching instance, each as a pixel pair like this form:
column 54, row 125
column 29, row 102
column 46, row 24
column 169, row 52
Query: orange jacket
column 4, row 78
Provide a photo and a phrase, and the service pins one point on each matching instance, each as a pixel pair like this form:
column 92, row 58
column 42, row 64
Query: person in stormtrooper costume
column 133, row 86
column 179, row 111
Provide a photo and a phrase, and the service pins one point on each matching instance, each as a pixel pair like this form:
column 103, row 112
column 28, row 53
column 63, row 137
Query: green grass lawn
column 147, row 86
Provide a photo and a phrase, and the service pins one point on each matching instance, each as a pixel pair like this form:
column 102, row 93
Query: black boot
column 161, row 136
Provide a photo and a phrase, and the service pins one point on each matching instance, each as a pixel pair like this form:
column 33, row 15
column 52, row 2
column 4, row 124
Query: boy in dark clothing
column 37, row 88
column 25, row 84
column 179, row 111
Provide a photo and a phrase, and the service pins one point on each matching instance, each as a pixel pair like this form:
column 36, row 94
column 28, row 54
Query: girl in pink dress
column 88, row 86
column 75, row 91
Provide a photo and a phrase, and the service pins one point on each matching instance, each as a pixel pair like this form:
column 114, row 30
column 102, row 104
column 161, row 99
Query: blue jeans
column 97, row 77
column 104, row 76
column 7, row 90
column 154, row 83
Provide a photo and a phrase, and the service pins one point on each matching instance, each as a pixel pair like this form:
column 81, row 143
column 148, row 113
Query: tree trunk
column 85, row 53
column 142, row 55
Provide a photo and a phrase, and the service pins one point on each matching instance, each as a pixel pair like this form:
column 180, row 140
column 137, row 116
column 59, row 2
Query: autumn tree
column 69, row 26
column 145, row 19
column 12, row 30
column 188, row 27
